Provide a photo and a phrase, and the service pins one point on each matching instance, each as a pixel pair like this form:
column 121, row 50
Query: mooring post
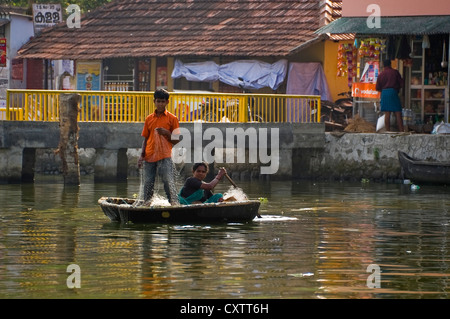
column 68, row 140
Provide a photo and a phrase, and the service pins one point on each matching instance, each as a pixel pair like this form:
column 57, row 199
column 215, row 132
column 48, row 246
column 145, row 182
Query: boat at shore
column 421, row 171
column 126, row 210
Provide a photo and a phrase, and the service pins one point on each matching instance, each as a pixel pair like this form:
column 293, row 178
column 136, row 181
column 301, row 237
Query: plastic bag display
column 441, row 128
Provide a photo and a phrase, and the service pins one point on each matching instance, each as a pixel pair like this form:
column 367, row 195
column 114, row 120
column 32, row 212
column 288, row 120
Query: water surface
column 314, row 240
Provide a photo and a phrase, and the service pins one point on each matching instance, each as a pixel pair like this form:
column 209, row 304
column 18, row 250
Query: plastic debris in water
column 414, row 187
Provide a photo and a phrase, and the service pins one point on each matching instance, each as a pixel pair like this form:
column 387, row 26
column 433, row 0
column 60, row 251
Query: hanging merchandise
column 390, row 48
column 372, row 48
column 346, row 59
column 2, row 52
column 404, row 50
column 341, row 60
column 352, row 66
column 444, row 59
column 425, row 42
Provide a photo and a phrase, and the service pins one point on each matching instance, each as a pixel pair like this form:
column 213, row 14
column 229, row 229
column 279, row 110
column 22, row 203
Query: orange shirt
column 158, row 147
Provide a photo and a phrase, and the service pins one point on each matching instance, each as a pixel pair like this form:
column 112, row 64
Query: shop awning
column 390, row 25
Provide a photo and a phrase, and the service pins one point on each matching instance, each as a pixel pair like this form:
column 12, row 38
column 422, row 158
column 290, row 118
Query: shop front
column 115, row 74
column 422, row 61
column 427, row 78
column 417, row 47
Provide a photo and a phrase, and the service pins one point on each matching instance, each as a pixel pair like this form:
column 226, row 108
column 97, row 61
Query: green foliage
column 376, row 153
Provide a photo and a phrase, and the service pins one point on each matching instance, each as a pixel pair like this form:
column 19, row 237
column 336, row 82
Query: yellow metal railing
column 110, row 106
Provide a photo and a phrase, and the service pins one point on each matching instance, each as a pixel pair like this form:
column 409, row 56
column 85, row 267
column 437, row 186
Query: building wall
column 337, row 84
column 312, row 53
column 19, row 32
column 358, row 8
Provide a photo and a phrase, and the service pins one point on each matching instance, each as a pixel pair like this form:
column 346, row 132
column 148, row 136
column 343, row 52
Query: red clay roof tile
column 156, row 28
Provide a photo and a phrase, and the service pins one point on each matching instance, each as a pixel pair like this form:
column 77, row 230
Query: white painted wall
column 20, row 32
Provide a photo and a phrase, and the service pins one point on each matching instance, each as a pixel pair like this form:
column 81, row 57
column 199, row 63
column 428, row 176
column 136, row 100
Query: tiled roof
column 158, row 28
column 332, row 10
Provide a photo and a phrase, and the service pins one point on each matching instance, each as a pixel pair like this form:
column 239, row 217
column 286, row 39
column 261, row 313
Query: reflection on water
column 314, row 240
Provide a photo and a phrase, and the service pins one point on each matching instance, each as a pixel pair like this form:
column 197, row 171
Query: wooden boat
column 125, row 210
column 420, row 171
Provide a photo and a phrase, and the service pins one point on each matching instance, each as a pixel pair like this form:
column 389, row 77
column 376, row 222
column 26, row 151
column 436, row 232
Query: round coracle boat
column 126, row 210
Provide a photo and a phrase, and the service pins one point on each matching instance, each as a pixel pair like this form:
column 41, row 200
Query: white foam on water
column 237, row 193
column 159, row 201
column 272, row 218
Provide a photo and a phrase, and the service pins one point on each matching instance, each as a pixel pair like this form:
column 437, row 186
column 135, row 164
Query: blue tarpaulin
column 305, row 79
column 249, row 74
column 197, row 71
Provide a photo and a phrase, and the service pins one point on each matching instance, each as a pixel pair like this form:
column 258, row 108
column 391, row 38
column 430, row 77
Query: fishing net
column 159, row 193
column 165, row 176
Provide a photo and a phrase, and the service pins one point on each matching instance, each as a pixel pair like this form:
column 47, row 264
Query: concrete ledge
column 110, row 151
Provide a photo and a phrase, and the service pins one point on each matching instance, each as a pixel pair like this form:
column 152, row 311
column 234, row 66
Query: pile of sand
column 359, row 125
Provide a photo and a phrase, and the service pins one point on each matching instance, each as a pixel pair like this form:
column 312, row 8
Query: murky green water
column 315, row 240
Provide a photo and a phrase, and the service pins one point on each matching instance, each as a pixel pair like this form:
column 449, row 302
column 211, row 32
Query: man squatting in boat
column 195, row 190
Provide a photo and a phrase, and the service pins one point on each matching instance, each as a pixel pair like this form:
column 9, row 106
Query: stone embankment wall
column 346, row 157
column 374, row 156
column 304, row 151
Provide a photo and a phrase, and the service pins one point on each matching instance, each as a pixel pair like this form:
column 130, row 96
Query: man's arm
column 215, row 181
column 172, row 138
column 379, row 84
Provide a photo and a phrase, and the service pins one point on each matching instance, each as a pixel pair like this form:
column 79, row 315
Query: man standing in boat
column 160, row 132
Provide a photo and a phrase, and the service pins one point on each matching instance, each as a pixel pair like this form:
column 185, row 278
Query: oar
column 231, row 181
column 235, row 186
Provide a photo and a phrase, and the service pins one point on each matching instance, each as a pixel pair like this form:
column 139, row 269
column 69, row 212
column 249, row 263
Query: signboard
column 17, row 69
column 2, row 52
column 88, row 75
column 161, row 77
column 370, row 72
column 46, row 15
column 366, row 90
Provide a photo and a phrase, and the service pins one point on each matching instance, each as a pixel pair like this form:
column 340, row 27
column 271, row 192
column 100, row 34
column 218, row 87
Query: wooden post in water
column 68, row 139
